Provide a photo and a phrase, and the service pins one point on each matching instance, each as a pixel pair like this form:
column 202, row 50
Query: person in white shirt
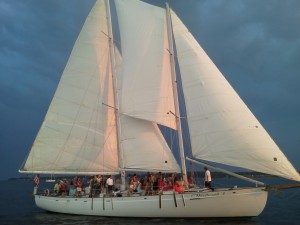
column 207, row 178
column 110, row 184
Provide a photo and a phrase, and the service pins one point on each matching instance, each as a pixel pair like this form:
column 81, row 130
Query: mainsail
column 222, row 128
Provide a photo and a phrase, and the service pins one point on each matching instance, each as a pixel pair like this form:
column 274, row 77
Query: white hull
column 246, row 202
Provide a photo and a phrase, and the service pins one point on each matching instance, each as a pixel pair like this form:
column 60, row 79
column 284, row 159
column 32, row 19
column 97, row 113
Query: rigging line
column 227, row 172
column 185, row 123
column 175, row 135
column 109, row 133
column 114, row 77
column 104, row 111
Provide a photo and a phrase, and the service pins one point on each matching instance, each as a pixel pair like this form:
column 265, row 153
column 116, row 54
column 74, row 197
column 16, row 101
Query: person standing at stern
column 207, row 183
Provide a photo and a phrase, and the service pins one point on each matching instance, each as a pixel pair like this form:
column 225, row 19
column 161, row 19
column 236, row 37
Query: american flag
column 37, row 179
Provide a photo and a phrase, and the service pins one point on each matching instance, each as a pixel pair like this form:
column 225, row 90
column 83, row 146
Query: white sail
column 146, row 93
column 142, row 144
column 78, row 134
column 222, row 128
column 145, row 148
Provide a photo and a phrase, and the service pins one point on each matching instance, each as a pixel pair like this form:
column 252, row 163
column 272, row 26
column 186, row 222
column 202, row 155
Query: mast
column 175, row 94
column 116, row 99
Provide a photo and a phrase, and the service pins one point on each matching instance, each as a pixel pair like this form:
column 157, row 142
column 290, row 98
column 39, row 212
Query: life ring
column 46, row 192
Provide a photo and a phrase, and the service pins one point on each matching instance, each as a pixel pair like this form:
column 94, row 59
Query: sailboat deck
column 140, row 194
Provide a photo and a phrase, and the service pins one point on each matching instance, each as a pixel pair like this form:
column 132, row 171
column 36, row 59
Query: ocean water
column 17, row 207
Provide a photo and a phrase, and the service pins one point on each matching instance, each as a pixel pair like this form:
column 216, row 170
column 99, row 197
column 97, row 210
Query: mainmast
column 116, row 99
column 175, row 94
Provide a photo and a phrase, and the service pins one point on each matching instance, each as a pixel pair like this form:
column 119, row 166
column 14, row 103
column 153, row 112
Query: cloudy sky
column 256, row 44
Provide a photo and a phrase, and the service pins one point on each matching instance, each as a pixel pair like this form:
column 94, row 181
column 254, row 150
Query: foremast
column 175, row 94
column 116, row 99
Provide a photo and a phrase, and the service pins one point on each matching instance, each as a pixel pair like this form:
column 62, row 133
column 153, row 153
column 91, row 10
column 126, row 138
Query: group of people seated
column 150, row 184
column 74, row 187
column 153, row 184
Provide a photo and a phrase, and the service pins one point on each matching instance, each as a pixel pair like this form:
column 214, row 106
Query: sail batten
column 222, row 128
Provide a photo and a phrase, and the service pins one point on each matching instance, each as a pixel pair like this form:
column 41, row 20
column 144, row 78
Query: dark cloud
column 256, row 44
column 36, row 38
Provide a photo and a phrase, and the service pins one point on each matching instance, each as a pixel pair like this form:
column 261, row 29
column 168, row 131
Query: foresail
column 78, row 133
column 222, row 128
column 145, row 88
column 144, row 147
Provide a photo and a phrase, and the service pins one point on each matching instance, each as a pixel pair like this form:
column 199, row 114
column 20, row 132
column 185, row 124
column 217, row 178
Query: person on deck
column 143, row 186
column 207, row 183
column 63, row 188
column 191, row 182
column 178, row 186
column 161, row 182
column 78, row 185
column 72, row 188
column 95, row 186
column 135, row 182
column 149, row 185
column 109, row 184
column 57, row 187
